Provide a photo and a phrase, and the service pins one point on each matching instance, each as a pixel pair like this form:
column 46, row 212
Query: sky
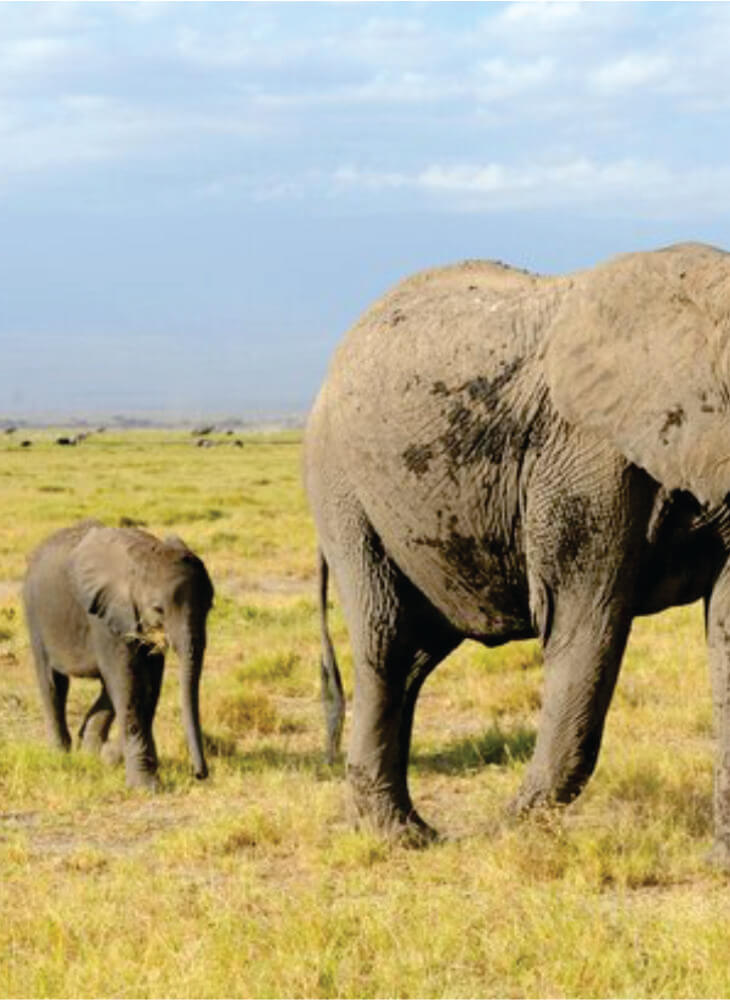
column 198, row 199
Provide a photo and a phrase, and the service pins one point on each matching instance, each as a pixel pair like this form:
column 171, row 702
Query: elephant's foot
column 531, row 801
column 374, row 805
column 545, row 791
column 94, row 734
column 111, row 753
column 93, row 742
column 140, row 760
column 143, row 779
column 719, row 856
column 141, row 769
column 59, row 739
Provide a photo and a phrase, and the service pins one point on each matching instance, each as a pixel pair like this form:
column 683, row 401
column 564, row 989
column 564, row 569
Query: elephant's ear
column 101, row 573
column 639, row 353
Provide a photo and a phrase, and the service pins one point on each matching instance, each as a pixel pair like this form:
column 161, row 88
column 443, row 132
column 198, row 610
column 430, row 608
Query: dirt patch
column 116, row 829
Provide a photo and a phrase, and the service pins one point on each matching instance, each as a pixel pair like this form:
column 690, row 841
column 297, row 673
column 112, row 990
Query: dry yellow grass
column 253, row 883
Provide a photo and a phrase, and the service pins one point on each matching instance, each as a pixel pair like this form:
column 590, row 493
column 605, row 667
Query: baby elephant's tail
column 333, row 697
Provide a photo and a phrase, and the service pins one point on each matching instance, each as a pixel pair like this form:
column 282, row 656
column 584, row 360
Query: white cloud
column 499, row 79
column 36, row 55
column 632, row 71
column 79, row 129
column 373, row 180
column 621, row 185
column 557, row 27
column 541, row 17
column 531, row 94
column 218, row 52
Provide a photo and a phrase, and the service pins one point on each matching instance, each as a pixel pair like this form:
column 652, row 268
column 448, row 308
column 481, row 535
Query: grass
column 254, row 883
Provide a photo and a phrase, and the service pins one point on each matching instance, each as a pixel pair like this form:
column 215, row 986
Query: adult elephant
column 497, row 455
column 99, row 602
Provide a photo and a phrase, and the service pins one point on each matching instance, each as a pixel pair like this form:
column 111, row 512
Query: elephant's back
column 441, row 326
column 435, row 312
column 60, row 543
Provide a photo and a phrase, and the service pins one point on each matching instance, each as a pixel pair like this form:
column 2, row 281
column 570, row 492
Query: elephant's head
column 141, row 587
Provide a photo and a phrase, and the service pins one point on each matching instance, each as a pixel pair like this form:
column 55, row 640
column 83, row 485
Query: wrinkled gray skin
column 497, row 455
column 97, row 600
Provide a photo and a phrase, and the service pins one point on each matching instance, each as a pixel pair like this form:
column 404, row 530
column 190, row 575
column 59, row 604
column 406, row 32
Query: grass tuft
column 243, row 713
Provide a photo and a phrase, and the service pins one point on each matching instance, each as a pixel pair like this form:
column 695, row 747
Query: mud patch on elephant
column 578, row 525
column 484, row 565
column 471, row 438
column 485, row 426
column 487, row 390
column 673, row 418
column 462, row 552
column 417, row 458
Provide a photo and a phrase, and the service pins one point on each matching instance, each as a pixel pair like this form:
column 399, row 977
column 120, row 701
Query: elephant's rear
column 54, row 619
column 436, row 388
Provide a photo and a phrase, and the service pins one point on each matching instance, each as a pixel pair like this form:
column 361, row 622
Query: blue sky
column 197, row 199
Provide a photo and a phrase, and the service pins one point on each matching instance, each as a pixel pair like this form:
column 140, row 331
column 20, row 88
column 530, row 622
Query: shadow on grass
column 495, row 746
column 268, row 756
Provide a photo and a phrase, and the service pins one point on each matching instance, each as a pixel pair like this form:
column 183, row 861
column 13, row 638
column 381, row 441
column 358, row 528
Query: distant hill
column 252, row 421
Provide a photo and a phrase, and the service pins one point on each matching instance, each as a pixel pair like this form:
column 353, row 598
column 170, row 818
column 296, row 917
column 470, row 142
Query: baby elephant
column 100, row 602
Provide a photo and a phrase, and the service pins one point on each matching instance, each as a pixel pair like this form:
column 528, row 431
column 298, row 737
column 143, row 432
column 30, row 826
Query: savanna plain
column 253, row 883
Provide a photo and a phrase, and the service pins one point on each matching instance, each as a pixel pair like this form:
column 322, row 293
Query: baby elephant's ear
column 639, row 354
column 100, row 570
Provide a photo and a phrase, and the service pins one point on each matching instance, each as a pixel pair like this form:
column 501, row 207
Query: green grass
column 254, row 883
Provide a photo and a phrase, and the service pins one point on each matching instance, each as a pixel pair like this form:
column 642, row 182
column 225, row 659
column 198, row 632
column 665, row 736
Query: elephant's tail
column 333, row 697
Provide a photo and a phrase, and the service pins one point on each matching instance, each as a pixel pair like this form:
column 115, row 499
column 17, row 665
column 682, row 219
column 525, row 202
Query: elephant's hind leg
column 53, row 687
column 94, row 730
column 397, row 638
column 57, row 693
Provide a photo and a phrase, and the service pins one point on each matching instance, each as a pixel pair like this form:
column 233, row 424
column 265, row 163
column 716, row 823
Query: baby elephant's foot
column 60, row 740
column 719, row 856
column 112, row 753
column 143, row 779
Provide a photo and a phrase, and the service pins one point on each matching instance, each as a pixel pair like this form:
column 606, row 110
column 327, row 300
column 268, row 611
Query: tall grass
column 253, row 883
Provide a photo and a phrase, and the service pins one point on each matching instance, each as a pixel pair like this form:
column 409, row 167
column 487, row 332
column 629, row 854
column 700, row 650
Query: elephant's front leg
column 717, row 609
column 582, row 659
column 133, row 678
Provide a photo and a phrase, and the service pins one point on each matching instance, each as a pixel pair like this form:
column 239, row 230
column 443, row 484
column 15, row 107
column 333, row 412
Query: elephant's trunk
column 191, row 663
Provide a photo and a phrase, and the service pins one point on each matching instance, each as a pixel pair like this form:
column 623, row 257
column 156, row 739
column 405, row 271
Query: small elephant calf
column 98, row 600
